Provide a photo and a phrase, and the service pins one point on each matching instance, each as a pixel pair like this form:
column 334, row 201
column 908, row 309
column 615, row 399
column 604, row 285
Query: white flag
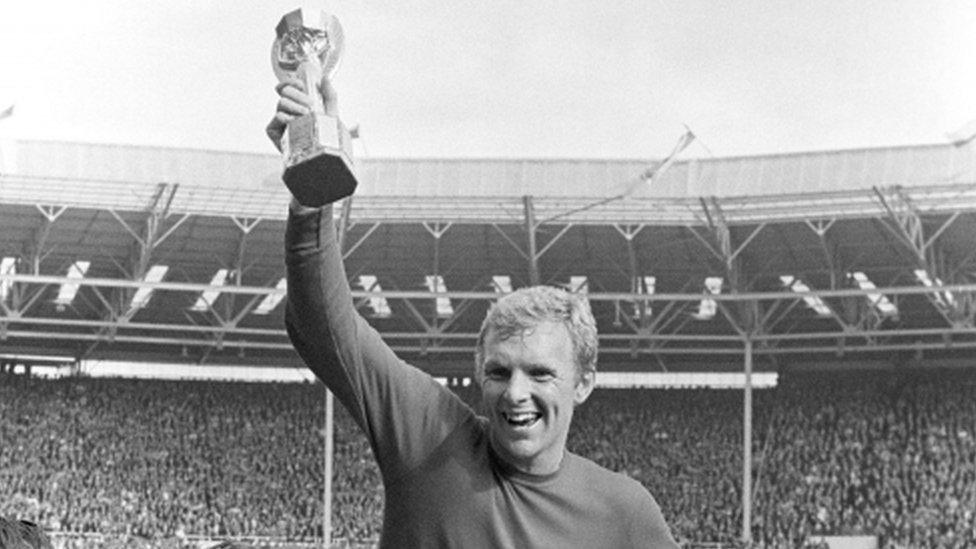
column 681, row 145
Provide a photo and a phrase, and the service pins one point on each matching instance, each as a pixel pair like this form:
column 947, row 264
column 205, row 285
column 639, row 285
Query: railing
column 78, row 540
column 89, row 540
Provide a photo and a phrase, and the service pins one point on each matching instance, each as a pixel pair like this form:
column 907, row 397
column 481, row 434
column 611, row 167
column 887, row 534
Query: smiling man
column 454, row 477
column 532, row 375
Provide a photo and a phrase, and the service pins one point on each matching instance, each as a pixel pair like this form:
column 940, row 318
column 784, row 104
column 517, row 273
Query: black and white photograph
column 361, row 274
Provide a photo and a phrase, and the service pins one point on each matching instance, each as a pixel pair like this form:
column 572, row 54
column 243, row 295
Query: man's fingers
column 280, row 120
column 293, row 101
column 293, row 94
column 276, row 127
column 280, row 88
column 293, row 107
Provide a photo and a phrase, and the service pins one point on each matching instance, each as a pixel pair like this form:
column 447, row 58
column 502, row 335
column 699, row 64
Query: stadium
column 786, row 340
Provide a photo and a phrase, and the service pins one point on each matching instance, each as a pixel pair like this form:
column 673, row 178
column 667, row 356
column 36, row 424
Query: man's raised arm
column 404, row 412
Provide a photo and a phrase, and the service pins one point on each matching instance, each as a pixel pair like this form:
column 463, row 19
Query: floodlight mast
column 747, row 445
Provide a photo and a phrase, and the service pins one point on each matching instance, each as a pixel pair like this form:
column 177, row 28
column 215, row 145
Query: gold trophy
column 316, row 147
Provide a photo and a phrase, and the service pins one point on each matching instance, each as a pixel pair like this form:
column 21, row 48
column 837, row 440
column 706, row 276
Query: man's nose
column 518, row 388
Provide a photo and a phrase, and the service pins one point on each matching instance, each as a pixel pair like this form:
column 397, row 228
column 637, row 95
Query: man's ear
column 584, row 386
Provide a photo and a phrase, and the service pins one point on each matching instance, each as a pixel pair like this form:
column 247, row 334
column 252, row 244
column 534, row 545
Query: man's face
column 530, row 385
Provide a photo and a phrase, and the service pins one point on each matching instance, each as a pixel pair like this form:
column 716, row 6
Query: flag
column 963, row 135
column 681, row 145
column 645, row 177
column 657, row 170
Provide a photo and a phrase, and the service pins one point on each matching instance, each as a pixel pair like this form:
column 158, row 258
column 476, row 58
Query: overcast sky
column 503, row 78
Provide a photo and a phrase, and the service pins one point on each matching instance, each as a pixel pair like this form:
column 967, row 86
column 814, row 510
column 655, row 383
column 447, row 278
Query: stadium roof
column 167, row 254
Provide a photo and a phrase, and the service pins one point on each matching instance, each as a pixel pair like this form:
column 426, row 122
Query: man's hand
column 294, row 101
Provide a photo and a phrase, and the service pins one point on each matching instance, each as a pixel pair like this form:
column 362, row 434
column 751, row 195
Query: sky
column 503, row 78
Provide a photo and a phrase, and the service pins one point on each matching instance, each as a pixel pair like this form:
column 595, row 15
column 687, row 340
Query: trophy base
column 318, row 160
column 320, row 180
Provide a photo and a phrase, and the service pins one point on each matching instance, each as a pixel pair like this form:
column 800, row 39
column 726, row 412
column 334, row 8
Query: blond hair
column 526, row 308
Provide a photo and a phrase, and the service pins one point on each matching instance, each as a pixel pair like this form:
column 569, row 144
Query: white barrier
column 846, row 542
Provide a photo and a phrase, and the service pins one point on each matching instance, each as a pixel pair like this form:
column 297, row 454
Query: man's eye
column 542, row 375
column 496, row 373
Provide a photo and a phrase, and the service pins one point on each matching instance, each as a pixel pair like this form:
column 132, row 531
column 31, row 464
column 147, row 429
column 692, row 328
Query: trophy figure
column 316, row 147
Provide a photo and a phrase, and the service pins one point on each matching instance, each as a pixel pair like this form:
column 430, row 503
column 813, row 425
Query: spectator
column 884, row 453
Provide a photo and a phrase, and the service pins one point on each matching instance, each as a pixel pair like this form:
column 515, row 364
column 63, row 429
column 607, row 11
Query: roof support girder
column 854, row 314
column 906, row 223
column 531, row 253
column 33, row 254
column 686, row 346
column 745, row 319
column 145, row 242
column 411, row 294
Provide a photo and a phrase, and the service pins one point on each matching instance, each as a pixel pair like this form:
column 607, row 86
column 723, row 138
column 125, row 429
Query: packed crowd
column 881, row 453
column 888, row 453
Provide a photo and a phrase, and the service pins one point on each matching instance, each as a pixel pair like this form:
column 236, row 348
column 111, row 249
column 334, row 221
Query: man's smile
column 521, row 419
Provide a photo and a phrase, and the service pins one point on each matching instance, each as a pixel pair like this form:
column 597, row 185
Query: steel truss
column 721, row 234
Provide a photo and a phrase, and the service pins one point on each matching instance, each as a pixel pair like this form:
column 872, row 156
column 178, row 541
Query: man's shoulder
column 626, row 499
column 599, row 479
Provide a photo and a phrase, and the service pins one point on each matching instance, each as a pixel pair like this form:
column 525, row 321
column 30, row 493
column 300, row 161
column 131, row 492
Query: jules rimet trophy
column 317, row 147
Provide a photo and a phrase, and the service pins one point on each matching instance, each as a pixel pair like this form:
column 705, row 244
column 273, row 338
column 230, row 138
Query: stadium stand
column 145, row 254
column 881, row 452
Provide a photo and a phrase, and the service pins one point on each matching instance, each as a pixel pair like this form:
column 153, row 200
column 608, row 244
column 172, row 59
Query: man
column 454, row 478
